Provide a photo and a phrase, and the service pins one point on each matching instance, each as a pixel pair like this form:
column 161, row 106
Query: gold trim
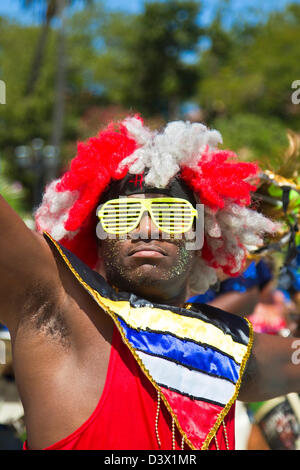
column 112, row 314
column 280, row 180
column 227, row 407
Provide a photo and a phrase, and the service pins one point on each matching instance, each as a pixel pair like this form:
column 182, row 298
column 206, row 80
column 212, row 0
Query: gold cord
column 173, row 434
column 225, row 435
column 157, row 418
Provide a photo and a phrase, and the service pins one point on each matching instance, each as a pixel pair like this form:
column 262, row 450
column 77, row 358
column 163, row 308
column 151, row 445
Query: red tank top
column 125, row 416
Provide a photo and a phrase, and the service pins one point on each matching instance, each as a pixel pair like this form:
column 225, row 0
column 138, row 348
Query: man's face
column 147, row 262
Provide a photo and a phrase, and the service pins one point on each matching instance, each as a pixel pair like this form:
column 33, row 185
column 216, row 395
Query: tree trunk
column 37, row 59
column 60, row 82
column 40, row 49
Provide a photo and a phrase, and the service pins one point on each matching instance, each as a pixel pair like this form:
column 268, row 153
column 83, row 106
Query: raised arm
column 239, row 303
column 26, row 266
column 273, row 368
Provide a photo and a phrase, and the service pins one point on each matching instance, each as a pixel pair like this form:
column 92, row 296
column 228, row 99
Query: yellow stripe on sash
column 155, row 319
column 189, row 328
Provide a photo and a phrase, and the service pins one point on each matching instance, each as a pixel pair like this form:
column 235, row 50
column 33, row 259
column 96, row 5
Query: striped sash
column 193, row 356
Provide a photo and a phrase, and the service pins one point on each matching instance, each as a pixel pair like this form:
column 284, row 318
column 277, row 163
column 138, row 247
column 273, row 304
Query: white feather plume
column 181, row 143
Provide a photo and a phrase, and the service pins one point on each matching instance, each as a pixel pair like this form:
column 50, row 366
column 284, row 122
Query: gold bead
column 173, row 434
column 157, row 418
column 225, row 435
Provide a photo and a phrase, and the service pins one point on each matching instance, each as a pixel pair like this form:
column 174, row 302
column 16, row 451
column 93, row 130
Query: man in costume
column 107, row 353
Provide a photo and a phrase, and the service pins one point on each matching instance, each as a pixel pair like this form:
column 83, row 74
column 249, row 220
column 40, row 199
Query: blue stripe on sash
column 186, row 353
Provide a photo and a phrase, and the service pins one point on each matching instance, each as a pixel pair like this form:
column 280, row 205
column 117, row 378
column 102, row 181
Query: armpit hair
column 43, row 313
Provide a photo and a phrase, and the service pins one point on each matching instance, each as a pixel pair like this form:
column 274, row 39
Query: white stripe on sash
column 186, row 381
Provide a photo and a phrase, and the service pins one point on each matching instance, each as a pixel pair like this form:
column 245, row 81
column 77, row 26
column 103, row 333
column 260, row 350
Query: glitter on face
column 170, row 273
column 184, row 259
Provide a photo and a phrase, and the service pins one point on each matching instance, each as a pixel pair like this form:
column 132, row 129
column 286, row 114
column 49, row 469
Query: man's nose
column 146, row 228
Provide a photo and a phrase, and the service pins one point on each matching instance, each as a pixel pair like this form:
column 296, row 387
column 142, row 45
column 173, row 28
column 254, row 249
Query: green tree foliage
column 247, row 73
column 254, row 138
column 144, row 64
column 22, row 118
column 255, row 70
column 13, row 192
column 25, row 117
column 52, row 8
column 117, row 63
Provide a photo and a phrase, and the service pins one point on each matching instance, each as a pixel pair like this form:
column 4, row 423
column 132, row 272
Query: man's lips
column 147, row 251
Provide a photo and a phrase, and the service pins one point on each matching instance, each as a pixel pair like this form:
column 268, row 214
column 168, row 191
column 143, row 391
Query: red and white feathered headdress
column 188, row 150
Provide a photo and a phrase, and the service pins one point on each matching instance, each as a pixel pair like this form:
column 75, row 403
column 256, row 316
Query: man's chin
column 142, row 280
column 145, row 275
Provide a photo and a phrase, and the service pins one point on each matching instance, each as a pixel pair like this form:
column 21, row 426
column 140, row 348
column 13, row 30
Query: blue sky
column 12, row 8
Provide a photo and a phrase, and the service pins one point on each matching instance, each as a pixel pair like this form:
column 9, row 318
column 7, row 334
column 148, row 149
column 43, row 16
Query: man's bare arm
column 273, row 368
column 239, row 303
column 26, row 265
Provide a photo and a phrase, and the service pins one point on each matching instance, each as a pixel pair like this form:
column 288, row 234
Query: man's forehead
column 134, row 184
column 145, row 196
